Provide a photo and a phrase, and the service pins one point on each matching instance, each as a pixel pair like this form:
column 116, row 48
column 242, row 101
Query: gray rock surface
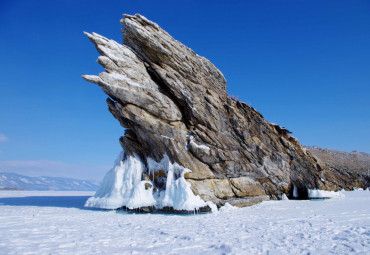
column 355, row 165
column 172, row 101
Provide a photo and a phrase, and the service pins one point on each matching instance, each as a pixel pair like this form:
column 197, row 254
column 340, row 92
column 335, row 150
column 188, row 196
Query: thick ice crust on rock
column 174, row 102
column 124, row 187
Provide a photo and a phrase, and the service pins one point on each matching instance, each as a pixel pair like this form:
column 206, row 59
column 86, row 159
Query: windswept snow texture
column 122, row 186
column 334, row 226
column 17, row 181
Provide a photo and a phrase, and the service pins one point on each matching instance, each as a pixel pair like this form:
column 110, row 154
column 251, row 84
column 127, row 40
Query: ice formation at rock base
column 159, row 186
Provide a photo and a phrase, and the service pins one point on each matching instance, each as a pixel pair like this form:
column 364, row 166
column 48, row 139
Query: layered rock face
column 173, row 102
column 354, row 165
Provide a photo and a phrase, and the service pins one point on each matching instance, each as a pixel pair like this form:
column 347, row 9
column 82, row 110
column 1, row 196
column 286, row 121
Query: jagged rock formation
column 174, row 102
column 355, row 165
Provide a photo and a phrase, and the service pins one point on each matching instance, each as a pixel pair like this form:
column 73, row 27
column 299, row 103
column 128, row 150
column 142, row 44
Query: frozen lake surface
column 55, row 222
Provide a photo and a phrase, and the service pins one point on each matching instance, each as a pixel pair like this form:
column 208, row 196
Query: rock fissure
column 166, row 91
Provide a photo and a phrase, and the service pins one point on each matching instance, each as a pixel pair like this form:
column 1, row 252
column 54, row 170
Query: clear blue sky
column 303, row 64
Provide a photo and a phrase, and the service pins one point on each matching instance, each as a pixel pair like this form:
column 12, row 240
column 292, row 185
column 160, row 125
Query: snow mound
column 284, row 197
column 123, row 186
column 316, row 193
column 228, row 208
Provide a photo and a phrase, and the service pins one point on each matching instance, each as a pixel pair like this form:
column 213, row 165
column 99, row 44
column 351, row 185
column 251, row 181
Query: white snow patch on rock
column 202, row 146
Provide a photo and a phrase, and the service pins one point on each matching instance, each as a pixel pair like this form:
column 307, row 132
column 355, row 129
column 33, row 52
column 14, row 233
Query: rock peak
column 173, row 103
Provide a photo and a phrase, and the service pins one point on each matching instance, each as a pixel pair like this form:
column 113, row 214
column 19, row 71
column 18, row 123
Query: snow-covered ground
column 47, row 222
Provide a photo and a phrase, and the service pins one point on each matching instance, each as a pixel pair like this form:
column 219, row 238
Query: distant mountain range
column 13, row 181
